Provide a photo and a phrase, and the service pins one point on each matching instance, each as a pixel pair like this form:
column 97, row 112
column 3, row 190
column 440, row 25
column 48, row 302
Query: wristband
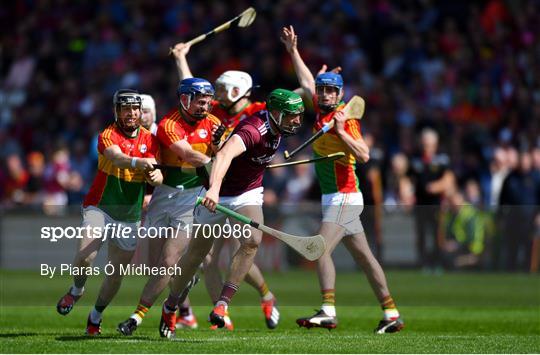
column 134, row 162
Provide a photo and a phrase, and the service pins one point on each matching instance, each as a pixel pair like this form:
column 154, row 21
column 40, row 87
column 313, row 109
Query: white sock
column 95, row 316
column 390, row 314
column 219, row 303
column 329, row 310
column 137, row 318
column 188, row 317
column 268, row 296
column 75, row 291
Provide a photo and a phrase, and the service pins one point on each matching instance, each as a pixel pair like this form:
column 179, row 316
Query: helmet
column 329, row 79
column 287, row 103
column 148, row 104
column 333, row 80
column 193, row 86
column 124, row 97
column 234, row 78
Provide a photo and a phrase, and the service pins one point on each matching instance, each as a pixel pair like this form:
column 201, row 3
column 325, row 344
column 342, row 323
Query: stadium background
column 467, row 69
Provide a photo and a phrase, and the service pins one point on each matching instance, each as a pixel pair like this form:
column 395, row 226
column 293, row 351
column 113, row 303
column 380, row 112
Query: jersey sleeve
column 169, row 132
column 353, row 128
column 249, row 134
column 105, row 140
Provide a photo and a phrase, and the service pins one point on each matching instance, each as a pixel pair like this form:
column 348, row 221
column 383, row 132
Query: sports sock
column 329, row 310
column 227, row 293
column 184, row 309
column 265, row 293
column 95, row 316
column 329, row 301
column 171, row 303
column 76, row 291
column 389, row 308
column 328, row 297
column 142, row 308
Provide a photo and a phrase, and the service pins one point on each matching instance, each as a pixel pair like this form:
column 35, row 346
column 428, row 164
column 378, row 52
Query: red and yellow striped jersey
column 118, row 191
column 231, row 121
column 338, row 175
column 173, row 128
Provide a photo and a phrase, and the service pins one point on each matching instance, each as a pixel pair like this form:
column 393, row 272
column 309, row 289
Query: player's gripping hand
column 340, row 119
column 210, row 200
column 181, row 50
column 217, row 133
column 153, row 177
column 144, row 164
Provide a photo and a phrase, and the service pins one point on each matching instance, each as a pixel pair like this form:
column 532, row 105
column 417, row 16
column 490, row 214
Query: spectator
column 519, row 201
column 399, row 187
column 432, row 179
column 466, row 230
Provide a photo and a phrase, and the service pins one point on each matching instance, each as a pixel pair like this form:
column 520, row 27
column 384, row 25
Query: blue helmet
column 333, row 80
column 329, row 79
column 193, row 86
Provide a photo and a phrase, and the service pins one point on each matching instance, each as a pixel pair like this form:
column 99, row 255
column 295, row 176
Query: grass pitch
column 450, row 313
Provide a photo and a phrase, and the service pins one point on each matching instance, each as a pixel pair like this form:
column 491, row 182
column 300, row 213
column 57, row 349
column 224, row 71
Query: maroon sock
column 184, row 309
column 171, row 303
column 227, row 292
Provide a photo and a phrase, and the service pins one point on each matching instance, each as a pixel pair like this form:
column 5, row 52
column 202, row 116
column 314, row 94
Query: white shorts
column 249, row 198
column 96, row 218
column 344, row 209
column 172, row 207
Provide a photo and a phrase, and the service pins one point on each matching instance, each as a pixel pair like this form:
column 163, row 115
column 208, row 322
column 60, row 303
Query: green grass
column 451, row 313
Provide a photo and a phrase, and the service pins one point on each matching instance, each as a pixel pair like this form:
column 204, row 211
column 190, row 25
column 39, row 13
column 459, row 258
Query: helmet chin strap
column 186, row 111
column 281, row 131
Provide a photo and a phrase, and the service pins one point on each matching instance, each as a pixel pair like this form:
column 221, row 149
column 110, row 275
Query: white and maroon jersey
column 247, row 170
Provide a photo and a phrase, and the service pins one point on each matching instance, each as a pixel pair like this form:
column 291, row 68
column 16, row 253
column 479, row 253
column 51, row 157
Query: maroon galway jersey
column 247, row 170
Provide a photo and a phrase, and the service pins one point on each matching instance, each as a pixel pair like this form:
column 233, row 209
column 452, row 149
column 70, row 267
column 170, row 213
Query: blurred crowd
column 452, row 90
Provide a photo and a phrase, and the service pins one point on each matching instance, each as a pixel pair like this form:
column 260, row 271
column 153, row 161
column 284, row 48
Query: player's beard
column 199, row 115
column 192, row 118
column 129, row 125
column 327, row 107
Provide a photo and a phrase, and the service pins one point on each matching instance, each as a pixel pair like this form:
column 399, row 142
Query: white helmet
column 149, row 104
column 235, row 79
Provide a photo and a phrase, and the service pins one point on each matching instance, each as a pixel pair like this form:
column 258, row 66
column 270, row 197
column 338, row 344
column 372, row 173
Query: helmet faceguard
column 234, row 79
column 286, row 103
column 123, row 98
column 193, row 87
column 329, row 79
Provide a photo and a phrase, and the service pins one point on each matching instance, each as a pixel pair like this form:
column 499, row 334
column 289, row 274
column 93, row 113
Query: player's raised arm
column 305, row 78
column 180, row 52
column 233, row 148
